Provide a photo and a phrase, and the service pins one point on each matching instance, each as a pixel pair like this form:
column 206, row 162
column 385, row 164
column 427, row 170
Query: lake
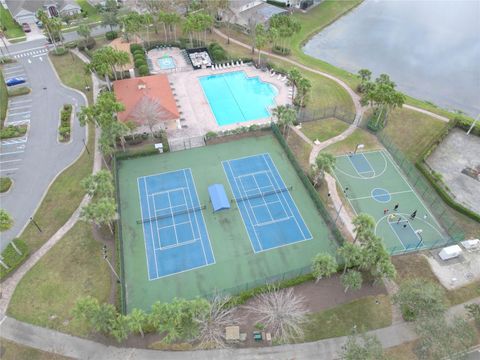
column 431, row 49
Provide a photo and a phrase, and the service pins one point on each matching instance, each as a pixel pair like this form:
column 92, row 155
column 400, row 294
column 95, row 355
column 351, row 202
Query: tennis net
column 263, row 194
column 172, row 214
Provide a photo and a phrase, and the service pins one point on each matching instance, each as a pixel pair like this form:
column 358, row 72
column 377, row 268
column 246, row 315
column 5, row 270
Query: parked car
column 15, row 81
column 26, row 27
column 39, row 24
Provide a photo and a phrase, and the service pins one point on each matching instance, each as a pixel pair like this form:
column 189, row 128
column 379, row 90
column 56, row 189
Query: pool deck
column 195, row 109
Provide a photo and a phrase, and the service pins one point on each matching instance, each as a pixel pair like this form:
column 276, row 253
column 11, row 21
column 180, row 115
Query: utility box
column 450, row 252
column 159, row 147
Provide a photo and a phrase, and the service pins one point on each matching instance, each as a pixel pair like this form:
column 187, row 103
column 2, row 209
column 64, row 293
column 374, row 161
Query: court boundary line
column 206, row 230
column 362, row 177
column 143, row 227
column 362, row 172
column 391, row 193
column 398, row 237
column 238, row 206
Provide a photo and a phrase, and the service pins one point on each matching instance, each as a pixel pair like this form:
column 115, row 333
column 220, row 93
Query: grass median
column 3, row 99
column 14, row 351
column 12, row 28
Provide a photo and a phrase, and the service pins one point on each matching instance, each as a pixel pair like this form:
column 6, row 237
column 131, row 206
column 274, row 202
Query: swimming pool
column 235, row 98
column 166, row 62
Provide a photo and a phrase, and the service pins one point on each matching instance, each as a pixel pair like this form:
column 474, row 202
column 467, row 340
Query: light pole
column 35, row 223
column 86, row 147
column 105, row 256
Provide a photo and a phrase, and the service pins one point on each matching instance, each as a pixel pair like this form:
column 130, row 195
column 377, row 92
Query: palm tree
column 304, row 86
column 363, row 223
column 43, row 17
column 294, row 76
column 324, row 162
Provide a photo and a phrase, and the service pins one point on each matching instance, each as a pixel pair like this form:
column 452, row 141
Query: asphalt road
column 39, row 157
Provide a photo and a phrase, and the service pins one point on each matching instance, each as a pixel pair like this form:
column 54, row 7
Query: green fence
column 427, row 193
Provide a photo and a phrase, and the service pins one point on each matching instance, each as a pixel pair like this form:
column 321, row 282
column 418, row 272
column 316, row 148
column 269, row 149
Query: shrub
column 22, row 90
column 12, row 131
column 64, row 128
column 6, row 60
column 5, row 183
column 71, row 45
column 86, row 44
column 139, row 52
column 111, row 35
column 139, row 63
column 217, row 52
column 134, row 47
column 139, row 57
column 60, row 51
column 13, row 259
column 281, row 50
column 143, row 70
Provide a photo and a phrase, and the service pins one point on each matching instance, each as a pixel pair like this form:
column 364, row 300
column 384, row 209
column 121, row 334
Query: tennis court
column 175, row 234
column 268, row 211
column 373, row 183
column 163, row 246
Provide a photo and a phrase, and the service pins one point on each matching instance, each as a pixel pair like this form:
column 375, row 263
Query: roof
column 260, row 14
column 131, row 92
column 218, row 197
column 16, row 6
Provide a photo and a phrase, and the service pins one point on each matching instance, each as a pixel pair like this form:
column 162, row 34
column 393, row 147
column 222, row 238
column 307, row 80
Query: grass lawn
column 3, row 99
column 74, row 267
column 13, row 29
column 65, row 194
column 359, row 136
column 402, row 352
column 13, row 351
column 412, row 131
column 339, row 321
column 300, row 149
column 323, row 129
column 415, row 265
column 91, row 11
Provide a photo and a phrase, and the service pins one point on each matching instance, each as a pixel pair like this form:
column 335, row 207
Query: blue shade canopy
column 218, row 197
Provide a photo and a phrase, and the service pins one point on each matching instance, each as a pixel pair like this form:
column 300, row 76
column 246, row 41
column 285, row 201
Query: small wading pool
column 236, row 98
column 166, row 62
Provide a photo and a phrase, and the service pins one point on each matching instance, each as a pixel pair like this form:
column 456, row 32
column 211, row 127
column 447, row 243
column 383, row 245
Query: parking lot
column 18, row 113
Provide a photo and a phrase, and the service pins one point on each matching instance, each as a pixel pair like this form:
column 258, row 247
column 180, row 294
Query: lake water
column 431, row 49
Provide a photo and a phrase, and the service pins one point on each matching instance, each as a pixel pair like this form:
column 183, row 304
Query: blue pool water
column 166, row 62
column 236, row 98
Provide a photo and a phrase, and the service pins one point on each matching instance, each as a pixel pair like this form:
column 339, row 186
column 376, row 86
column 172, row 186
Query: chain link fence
column 177, row 144
column 453, row 233
column 305, row 115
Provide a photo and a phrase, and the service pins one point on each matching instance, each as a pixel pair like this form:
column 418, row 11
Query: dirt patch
column 233, row 137
column 326, row 294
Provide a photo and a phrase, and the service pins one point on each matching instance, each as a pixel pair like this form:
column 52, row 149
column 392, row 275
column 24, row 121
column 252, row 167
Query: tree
column 110, row 14
column 365, row 76
column 137, row 320
column 84, row 31
column 440, row 340
column 282, row 312
column 212, row 323
column 6, row 221
column 323, row 265
column 102, row 211
column 99, row 184
column 352, row 279
column 420, row 297
column 375, row 257
column 363, row 347
column 304, row 86
column 120, row 328
column 85, row 308
column 260, row 40
column 474, row 312
column 351, row 254
column 285, row 116
column 150, row 112
column 131, row 24
column 176, row 319
column 362, row 223
column 294, row 75
column 99, row 316
column 325, row 162
column 45, row 19
column 286, row 27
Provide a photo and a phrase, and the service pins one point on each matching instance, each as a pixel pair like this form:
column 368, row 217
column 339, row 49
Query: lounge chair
column 284, row 79
column 272, row 74
column 241, row 62
column 237, row 64
column 228, row 65
column 279, row 77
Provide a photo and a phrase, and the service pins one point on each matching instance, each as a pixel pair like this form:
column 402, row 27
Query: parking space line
column 19, row 113
column 10, row 73
column 12, row 169
column 12, row 152
column 19, row 122
column 9, row 161
column 18, row 107
column 20, row 101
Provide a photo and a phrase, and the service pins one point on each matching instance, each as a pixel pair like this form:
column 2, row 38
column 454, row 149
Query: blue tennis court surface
column 268, row 211
column 174, row 230
column 361, row 164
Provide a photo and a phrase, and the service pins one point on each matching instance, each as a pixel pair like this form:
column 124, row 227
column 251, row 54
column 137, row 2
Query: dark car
column 15, row 81
column 26, row 27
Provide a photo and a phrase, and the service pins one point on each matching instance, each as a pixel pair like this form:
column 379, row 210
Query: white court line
column 189, row 215
column 391, row 193
column 151, row 227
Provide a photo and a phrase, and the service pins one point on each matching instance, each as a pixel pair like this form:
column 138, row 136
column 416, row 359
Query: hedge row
column 64, row 128
column 140, row 59
column 311, row 189
column 11, row 258
column 12, row 131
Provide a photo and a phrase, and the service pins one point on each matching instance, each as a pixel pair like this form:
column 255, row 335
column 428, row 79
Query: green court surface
column 237, row 267
column 373, row 183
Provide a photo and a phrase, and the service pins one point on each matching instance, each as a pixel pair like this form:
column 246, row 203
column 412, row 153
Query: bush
column 86, row 44
column 139, row 63
column 139, row 58
column 59, row 52
column 12, row 131
column 111, row 35
column 22, row 90
column 134, row 47
column 143, row 70
column 6, row 60
column 281, row 50
column 71, row 45
column 64, row 128
column 5, row 183
column 11, row 258
column 139, row 52
column 217, row 52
